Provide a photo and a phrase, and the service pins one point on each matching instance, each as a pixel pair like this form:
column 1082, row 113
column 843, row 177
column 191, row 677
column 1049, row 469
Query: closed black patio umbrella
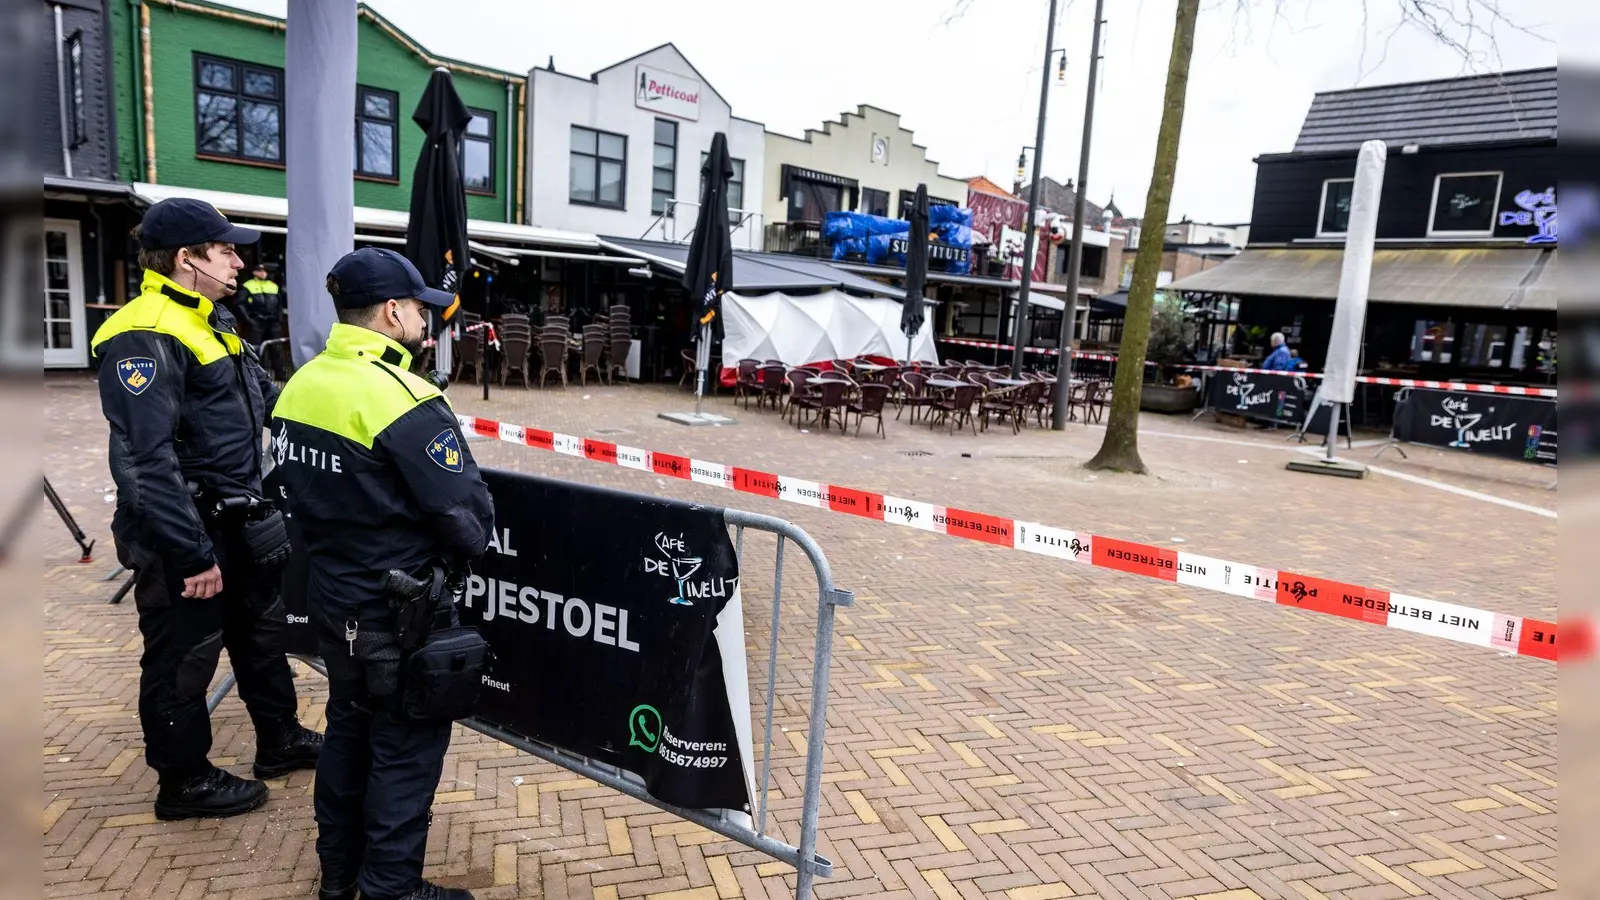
column 436, row 234
column 911, row 306
column 708, row 271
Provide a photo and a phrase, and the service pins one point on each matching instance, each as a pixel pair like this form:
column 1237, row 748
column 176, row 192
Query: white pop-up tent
column 797, row 329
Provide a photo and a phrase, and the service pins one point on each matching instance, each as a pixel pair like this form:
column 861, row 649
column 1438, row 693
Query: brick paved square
column 1000, row 724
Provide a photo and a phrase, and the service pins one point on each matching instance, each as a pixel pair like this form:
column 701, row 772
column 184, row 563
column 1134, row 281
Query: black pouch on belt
column 443, row 676
column 267, row 537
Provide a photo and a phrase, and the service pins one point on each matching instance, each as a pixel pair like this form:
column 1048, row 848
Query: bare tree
column 1470, row 28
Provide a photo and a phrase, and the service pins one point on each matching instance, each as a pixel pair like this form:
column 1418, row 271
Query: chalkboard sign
column 1497, row 424
column 1283, row 398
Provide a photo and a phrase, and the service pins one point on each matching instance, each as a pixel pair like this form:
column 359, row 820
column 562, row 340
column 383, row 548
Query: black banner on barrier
column 1497, row 424
column 618, row 633
column 617, row 628
column 1270, row 396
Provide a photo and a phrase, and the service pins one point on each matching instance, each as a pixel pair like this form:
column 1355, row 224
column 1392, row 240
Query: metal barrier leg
column 772, row 686
column 224, row 688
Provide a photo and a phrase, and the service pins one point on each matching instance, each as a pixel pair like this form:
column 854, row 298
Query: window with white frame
column 1333, row 217
column 735, row 183
column 1464, row 203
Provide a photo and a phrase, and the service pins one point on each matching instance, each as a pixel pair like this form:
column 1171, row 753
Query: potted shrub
column 1171, row 333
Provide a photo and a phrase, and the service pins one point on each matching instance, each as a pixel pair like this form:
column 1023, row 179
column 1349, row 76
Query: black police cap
column 184, row 222
column 371, row 275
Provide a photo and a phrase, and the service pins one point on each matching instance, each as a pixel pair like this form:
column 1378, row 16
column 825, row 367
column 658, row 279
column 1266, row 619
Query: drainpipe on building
column 138, row 79
column 61, row 97
column 149, row 96
column 522, row 150
column 505, row 172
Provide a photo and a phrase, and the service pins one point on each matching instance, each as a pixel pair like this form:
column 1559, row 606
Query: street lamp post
column 1019, row 329
column 1060, row 405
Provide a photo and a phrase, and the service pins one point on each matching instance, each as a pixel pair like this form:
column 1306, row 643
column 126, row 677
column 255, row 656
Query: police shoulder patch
column 136, row 373
column 445, row 450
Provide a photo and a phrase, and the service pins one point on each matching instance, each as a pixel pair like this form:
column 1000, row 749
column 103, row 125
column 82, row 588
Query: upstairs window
column 238, row 110
column 377, row 134
column 1464, row 204
column 77, row 121
column 1334, row 216
column 735, row 183
column 663, row 166
column 477, row 153
column 595, row 168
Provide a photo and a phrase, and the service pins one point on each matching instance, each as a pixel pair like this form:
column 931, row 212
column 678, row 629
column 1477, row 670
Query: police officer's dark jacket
column 187, row 404
column 373, row 468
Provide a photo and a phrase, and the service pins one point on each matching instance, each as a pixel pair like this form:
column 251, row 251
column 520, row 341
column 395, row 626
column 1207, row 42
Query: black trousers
column 183, row 639
column 376, row 776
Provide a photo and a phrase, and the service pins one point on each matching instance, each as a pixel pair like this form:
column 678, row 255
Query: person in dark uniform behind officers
column 187, row 405
column 376, row 475
column 261, row 302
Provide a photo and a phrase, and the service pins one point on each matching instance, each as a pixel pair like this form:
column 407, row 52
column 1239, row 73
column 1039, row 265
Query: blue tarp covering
column 860, row 236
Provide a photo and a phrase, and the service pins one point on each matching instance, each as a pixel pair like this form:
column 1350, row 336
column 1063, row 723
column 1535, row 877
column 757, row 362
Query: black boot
column 212, row 794
column 430, row 891
column 328, row 893
column 298, row 751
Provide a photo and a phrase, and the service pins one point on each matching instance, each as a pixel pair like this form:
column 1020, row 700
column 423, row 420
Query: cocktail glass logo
column 644, row 728
column 678, row 564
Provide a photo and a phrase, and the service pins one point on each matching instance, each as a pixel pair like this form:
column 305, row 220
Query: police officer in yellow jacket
column 375, row 474
column 261, row 302
column 187, row 406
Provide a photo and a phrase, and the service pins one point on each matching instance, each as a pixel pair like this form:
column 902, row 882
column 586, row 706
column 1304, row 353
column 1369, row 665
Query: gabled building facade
column 619, row 152
column 1462, row 276
column 865, row 162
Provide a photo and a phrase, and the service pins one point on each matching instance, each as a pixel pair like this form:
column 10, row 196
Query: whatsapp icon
column 644, row 727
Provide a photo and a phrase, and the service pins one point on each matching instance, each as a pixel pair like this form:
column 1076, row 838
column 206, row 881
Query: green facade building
column 200, row 104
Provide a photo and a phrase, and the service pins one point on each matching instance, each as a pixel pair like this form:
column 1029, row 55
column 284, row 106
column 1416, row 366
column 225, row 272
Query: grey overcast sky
column 964, row 74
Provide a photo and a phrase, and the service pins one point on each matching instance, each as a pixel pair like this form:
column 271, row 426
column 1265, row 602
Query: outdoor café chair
column 798, row 381
column 999, row 402
column 773, row 378
column 688, row 366
column 913, row 393
column 514, row 356
column 620, row 345
column 553, row 359
column 748, row 381
column 1089, row 401
column 593, row 347
column 826, row 400
column 956, row 407
column 470, row 357
column 869, row 405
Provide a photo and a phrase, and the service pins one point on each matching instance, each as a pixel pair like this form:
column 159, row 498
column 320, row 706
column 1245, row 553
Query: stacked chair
column 516, row 340
column 553, row 350
column 594, row 347
column 619, row 334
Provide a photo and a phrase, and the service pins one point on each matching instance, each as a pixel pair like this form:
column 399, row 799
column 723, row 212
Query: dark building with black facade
column 87, row 213
column 1463, row 272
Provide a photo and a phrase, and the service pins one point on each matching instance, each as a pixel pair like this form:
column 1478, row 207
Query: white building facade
column 619, row 153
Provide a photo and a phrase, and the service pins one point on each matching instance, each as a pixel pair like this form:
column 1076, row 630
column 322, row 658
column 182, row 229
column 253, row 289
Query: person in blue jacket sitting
column 1280, row 359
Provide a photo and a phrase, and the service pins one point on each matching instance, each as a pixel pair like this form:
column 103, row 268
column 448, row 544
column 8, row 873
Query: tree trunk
column 1119, row 450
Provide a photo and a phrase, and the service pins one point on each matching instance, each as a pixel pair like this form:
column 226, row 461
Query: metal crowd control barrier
column 807, row 862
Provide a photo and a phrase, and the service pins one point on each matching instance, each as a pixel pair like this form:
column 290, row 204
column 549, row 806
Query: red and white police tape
column 1363, row 379
column 1435, row 618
